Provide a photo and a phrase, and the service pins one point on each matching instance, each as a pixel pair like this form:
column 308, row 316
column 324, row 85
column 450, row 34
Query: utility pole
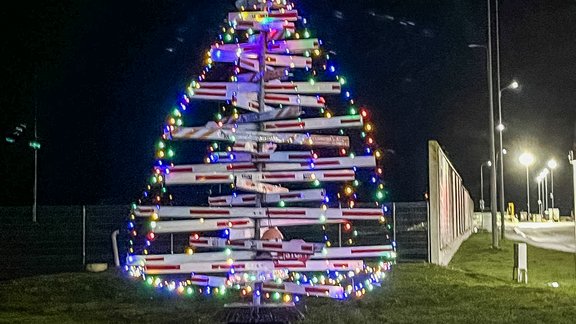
column 493, row 200
column 35, row 146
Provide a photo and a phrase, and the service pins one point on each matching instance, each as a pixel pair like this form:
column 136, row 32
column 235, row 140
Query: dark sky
column 105, row 81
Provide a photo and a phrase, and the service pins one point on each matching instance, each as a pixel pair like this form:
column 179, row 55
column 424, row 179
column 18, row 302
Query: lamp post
column 552, row 164
column 500, row 128
column 489, row 76
column 572, row 160
column 488, row 164
column 539, row 182
column 526, row 159
column 545, row 173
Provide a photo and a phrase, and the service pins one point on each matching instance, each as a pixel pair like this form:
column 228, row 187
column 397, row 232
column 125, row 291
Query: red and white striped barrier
column 222, row 134
column 189, row 178
column 251, row 63
column 283, row 113
column 249, row 266
column 304, row 289
column 303, row 87
column 369, row 251
column 281, row 15
column 270, row 25
column 317, row 164
column 260, row 187
column 262, row 213
column 307, row 124
column 250, row 199
column 324, row 163
column 273, row 157
column 208, row 225
column 185, row 226
column 294, row 246
column 296, row 46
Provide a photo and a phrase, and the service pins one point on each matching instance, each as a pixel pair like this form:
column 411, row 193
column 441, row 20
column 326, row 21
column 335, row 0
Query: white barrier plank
column 303, row 87
column 263, row 212
column 296, row 46
column 324, row 163
column 317, row 164
column 221, row 134
column 260, row 187
column 249, row 266
column 283, row 113
column 305, row 289
column 307, row 124
column 276, row 15
column 276, row 25
column 370, row 251
column 208, row 225
column 293, row 246
column 185, row 226
column 190, row 178
column 250, row 199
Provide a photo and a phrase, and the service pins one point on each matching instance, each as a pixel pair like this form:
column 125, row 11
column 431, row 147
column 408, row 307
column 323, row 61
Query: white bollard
column 520, row 271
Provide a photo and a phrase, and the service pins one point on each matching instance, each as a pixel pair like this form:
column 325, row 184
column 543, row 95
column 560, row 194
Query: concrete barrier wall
column 451, row 208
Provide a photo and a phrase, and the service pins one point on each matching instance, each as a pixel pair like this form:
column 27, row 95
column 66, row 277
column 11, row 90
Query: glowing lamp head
column 514, row 85
column 552, row 164
column 526, row 159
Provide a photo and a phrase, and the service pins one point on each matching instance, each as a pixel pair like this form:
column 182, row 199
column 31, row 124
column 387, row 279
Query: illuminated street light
column 488, row 164
column 552, row 164
column 545, row 174
column 572, row 160
column 539, row 182
column 526, row 159
column 514, row 85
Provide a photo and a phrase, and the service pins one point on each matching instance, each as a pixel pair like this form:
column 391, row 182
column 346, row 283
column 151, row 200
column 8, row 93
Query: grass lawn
column 475, row 288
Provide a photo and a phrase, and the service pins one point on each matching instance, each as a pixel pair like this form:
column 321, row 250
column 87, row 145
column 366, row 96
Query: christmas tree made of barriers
column 287, row 201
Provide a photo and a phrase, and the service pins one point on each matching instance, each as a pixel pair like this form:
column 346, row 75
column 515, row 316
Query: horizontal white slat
column 190, row 178
column 275, row 15
column 283, row 113
column 250, row 266
column 293, row 246
column 250, row 199
column 295, row 46
column 222, row 134
column 303, row 87
column 316, row 164
column 305, row 289
column 263, row 212
column 307, row 124
column 367, row 251
column 244, row 184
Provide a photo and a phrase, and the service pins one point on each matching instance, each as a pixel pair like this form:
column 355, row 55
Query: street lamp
column 500, row 128
column 489, row 77
column 552, row 164
column 526, row 159
column 572, row 160
column 488, row 164
column 539, row 182
column 545, row 173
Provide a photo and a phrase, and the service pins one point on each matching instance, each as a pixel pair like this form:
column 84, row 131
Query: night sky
column 104, row 75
